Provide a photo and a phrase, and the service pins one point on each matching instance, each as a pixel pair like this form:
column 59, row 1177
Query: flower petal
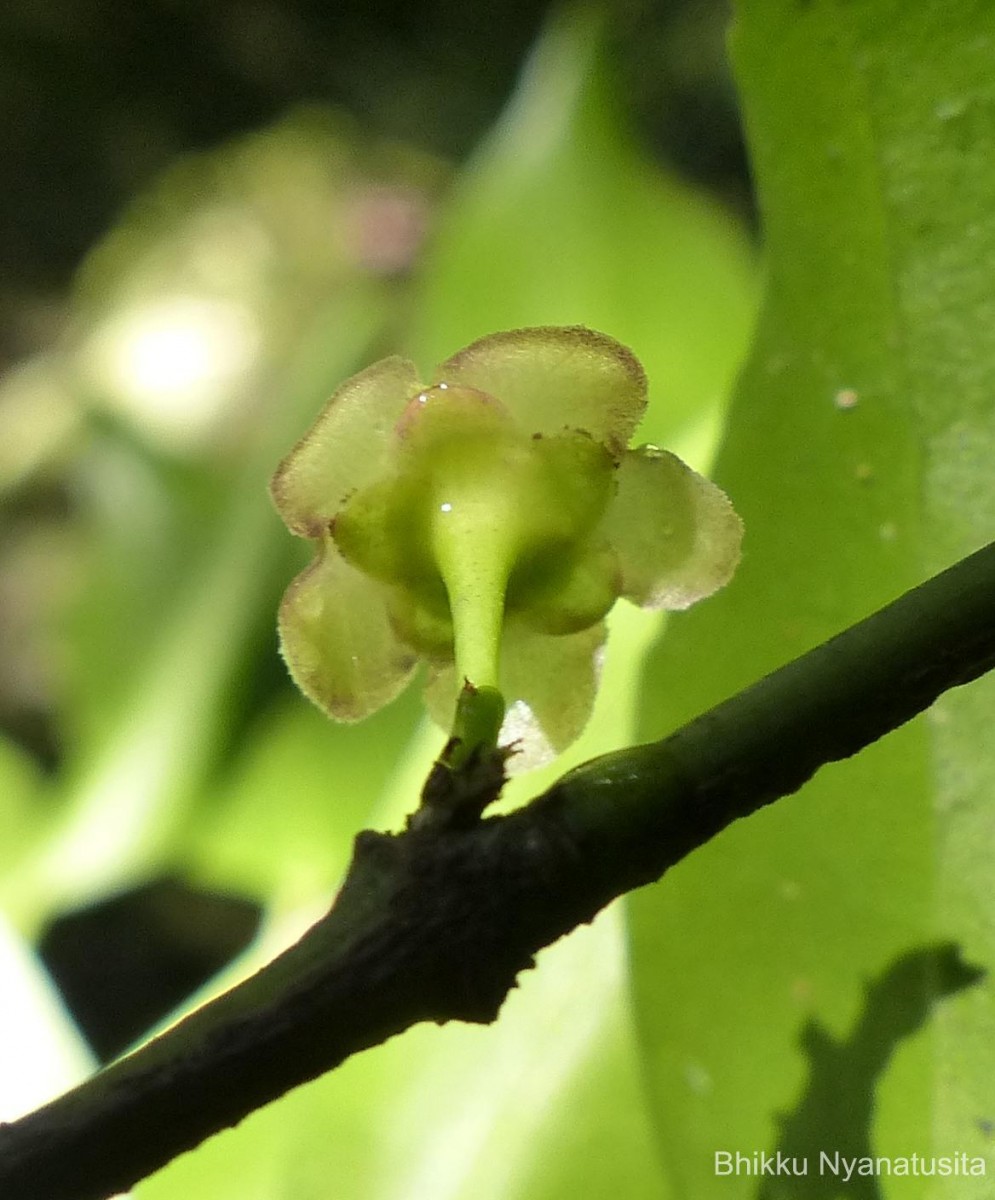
column 557, row 378
column 676, row 534
column 549, row 684
column 440, row 694
column 345, row 448
column 337, row 639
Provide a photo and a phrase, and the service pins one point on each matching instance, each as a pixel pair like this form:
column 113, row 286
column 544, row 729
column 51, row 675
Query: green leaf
column 859, row 454
column 282, row 824
column 142, row 523
column 210, row 324
column 22, row 814
column 127, row 794
column 561, row 218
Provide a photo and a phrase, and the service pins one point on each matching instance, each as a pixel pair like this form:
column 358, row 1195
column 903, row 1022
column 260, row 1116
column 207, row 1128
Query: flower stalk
column 475, row 573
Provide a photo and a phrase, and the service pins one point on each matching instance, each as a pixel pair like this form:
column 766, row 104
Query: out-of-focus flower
column 485, row 522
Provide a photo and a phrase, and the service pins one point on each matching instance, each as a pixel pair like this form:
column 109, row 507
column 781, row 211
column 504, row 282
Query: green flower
column 485, row 522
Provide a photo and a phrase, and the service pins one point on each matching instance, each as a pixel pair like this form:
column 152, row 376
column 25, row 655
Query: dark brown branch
column 436, row 923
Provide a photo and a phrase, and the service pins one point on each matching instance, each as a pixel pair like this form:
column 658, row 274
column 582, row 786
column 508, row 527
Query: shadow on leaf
column 836, row 1108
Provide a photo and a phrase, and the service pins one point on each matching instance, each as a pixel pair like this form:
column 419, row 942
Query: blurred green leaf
column 283, row 822
column 208, row 327
column 144, row 524
column 22, row 812
column 210, row 277
column 859, row 454
column 127, row 794
column 561, row 218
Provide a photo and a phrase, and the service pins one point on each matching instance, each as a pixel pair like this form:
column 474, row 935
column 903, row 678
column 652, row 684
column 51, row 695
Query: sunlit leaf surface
column 42, row 1051
column 859, row 455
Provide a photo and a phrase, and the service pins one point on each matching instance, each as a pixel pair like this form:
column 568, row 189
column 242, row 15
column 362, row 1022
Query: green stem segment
column 476, row 577
column 475, row 570
column 479, row 713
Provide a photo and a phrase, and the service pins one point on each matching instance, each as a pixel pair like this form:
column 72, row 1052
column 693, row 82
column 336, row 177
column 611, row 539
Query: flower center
column 473, row 503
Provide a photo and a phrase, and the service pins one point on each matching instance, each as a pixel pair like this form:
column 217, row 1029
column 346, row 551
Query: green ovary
column 480, row 520
column 566, row 591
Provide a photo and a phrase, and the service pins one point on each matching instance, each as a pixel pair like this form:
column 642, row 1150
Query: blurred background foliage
column 213, row 215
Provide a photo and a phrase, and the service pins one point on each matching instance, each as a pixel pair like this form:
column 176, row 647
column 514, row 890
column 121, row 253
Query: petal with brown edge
column 556, row 378
column 549, row 683
column 338, row 641
column 346, row 447
column 676, row 534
